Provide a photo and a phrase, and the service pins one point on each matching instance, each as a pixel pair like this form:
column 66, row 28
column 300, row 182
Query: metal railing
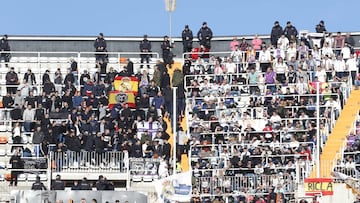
column 84, row 161
column 227, row 186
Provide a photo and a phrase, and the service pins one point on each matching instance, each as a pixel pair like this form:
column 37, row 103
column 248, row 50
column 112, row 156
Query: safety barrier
column 84, row 161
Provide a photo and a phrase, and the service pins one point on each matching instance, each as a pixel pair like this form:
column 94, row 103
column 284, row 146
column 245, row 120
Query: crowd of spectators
column 76, row 122
column 253, row 112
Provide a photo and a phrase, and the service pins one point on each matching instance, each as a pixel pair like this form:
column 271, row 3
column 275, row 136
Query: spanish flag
column 126, row 84
column 126, row 89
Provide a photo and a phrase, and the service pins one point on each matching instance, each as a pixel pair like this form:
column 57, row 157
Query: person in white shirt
column 230, row 68
column 334, row 105
column 329, row 40
column 283, row 42
column 327, row 50
column 275, row 119
column 236, row 56
column 327, row 63
column 351, row 65
column 345, row 52
column 321, row 74
column 280, row 68
column 264, row 58
column 28, row 117
column 339, row 67
column 25, row 89
column 291, row 51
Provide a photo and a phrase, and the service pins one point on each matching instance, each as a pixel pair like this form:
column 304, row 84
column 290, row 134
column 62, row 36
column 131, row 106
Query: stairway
column 338, row 135
column 184, row 157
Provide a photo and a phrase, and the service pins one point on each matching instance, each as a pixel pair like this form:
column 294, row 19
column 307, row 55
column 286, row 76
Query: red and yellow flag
column 126, row 90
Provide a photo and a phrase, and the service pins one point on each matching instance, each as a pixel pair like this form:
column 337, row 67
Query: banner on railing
column 144, row 166
column 76, row 196
column 175, row 187
column 126, row 89
column 324, row 186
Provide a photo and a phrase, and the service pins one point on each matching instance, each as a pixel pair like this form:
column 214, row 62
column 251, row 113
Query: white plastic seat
column 2, row 152
column 2, row 165
column 31, row 177
column 43, row 177
column 22, row 177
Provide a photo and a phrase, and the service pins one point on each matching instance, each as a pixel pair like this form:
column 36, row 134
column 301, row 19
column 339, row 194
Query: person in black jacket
column 12, row 80
column 100, row 184
column 16, row 164
column 16, row 113
column 320, row 28
column 5, row 48
column 38, row 185
column 187, row 39
column 58, row 184
column 290, row 30
column 166, row 51
column 205, row 35
column 100, row 46
column 145, row 47
column 29, row 77
column 84, row 184
column 276, row 33
column 8, row 103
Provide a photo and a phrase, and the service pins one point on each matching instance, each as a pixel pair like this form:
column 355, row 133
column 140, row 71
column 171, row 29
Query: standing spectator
column 38, row 185
column 28, row 117
column 58, row 80
column 5, row 49
column 256, row 44
column 16, row 164
column 37, row 139
column 45, row 76
column 8, row 103
column 187, row 37
column 339, row 43
column 100, row 46
column 350, row 41
column 320, row 28
column 74, row 69
column 205, row 35
column 290, row 30
column 29, row 77
column 276, row 33
column 12, row 81
column 58, row 184
column 166, row 51
column 234, row 43
column 145, row 47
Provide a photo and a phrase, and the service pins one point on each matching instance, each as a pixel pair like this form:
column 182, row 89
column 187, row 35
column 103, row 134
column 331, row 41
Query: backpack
column 177, row 78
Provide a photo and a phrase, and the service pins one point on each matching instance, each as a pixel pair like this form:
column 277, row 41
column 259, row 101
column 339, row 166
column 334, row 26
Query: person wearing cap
column 100, row 46
column 205, row 35
column 145, row 47
column 276, row 33
column 290, row 30
column 166, row 51
column 187, row 37
column 5, row 48
column 320, row 28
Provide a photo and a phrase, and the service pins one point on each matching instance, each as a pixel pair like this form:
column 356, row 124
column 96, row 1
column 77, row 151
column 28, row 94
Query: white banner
column 175, row 187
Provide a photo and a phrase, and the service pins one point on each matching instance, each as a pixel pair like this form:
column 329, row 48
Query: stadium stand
column 247, row 119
